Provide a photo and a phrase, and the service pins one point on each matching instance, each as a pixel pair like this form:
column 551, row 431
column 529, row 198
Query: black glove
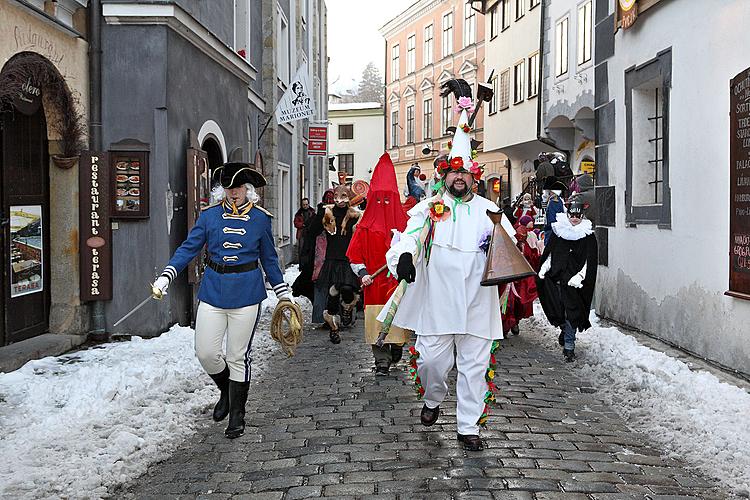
column 405, row 268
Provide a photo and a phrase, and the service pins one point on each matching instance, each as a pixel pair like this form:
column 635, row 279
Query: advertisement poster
column 26, row 250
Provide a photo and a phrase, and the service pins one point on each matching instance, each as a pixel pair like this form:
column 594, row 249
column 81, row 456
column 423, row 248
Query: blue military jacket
column 232, row 237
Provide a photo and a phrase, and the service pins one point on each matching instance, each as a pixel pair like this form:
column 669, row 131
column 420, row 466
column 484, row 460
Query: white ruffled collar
column 567, row 231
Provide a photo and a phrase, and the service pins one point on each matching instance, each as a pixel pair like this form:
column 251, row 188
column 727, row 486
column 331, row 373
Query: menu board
column 739, row 187
column 129, row 184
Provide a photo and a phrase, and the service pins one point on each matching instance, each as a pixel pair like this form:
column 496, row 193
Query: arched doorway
column 25, row 209
column 215, row 157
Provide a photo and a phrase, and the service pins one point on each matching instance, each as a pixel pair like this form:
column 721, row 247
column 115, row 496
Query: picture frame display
column 129, row 180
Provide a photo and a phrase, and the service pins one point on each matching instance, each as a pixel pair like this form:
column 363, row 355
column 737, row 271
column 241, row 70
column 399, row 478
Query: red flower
column 457, row 163
column 466, row 128
column 443, row 166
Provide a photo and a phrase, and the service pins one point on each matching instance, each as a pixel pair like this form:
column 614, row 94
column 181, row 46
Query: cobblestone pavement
column 321, row 424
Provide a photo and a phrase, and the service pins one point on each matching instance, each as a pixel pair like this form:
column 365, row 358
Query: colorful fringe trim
column 413, row 356
column 489, row 396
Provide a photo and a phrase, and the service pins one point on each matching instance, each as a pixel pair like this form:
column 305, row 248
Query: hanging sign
column 739, row 186
column 628, row 12
column 29, row 98
column 26, row 250
column 296, row 103
column 588, row 167
column 317, row 143
column 95, row 229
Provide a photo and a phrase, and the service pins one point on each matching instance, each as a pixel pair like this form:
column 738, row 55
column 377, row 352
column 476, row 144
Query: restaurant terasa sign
column 95, row 230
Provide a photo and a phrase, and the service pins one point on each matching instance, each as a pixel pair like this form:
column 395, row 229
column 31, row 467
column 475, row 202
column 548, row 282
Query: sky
column 354, row 40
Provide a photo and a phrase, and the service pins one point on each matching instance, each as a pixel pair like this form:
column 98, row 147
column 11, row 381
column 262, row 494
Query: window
column 446, row 114
column 427, row 119
column 410, row 124
column 242, row 28
column 411, row 51
column 520, row 10
column 493, row 102
column 561, row 47
column 394, row 129
column 584, row 33
column 533, row 75
column 394, row 62
column 428, row 35
column 282, row 47
column 519, row 73
column 470, row 25
column 533, row 3
column 284, row 230
column 505, row 10
column 505, row 89
column 447, row 34
column 647, row 194
column 346, row 163
column 494, row 28
column 346, row 132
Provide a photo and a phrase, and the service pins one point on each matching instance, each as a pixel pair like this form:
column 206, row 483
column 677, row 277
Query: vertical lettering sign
column 628, row 12
column 317, row 144
column 739, row 187
column 95, row 230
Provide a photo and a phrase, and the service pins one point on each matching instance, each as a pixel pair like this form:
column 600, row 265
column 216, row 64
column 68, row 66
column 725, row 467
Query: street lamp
column 426, row 150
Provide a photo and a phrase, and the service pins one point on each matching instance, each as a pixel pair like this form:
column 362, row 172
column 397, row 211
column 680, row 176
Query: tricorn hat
column 551, row 183
column 235, row 174
column 577, row 206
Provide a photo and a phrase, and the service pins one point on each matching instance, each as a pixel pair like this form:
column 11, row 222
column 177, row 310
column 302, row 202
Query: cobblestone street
column 321, row 424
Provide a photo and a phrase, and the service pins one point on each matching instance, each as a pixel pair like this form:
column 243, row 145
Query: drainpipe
column 97, row 319
column 540, row 72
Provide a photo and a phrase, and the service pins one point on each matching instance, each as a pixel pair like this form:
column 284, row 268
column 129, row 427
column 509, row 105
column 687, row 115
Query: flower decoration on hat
column 461, row 157
column 465, row 103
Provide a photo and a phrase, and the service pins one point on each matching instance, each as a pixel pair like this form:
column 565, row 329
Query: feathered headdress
column 461, row 157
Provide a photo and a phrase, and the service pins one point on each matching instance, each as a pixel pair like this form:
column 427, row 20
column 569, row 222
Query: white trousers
column 472, row 357
column 211, row 324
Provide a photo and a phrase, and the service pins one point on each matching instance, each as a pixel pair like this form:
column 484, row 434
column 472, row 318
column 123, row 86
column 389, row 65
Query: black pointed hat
column 235, row 174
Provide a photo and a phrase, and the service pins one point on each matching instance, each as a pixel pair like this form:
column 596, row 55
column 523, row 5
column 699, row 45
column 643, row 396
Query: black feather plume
column 457, row 86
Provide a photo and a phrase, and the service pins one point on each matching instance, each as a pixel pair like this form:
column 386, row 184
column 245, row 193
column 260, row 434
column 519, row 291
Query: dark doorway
column 24, row 191
column 213, row 150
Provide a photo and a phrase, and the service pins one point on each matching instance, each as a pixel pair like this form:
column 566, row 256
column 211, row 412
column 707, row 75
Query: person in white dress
column 454, row 317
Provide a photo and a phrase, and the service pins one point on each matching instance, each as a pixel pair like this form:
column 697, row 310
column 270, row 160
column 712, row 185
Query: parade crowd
column 415, row 271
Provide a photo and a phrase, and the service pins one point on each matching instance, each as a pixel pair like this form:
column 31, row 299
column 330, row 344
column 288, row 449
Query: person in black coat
column 568, row 275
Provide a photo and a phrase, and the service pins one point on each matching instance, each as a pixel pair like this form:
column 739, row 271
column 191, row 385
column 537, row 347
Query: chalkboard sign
column 739, row 187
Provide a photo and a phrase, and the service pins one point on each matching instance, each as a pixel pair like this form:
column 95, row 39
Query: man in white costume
column 454, row 317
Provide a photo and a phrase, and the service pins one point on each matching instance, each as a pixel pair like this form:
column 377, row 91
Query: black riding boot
column 237, row 400
column 221, row 410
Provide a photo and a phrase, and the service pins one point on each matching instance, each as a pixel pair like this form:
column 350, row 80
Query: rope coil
column 286, row 326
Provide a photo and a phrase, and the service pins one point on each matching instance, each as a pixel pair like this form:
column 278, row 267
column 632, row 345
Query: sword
column 155, row 294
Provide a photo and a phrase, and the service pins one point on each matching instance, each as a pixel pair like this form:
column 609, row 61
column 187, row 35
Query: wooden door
column 24, row 186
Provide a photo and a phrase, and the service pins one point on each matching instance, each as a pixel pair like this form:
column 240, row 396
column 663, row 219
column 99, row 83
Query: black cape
column 561, row 302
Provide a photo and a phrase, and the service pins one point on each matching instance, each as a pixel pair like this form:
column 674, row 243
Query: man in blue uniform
column 237, row 234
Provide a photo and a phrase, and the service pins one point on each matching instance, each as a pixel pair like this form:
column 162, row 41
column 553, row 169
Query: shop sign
column 739, row 186
column 95, row 229
column 588, row 167
column 26, row 250
column 628, row 12
column 317, row 143
column 29, row 98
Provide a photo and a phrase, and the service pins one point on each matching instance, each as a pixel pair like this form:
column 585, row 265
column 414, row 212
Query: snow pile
column 691, row 414
column 76, row 424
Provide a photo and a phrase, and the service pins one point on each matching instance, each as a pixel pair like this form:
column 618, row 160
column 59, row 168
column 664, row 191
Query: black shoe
column 335, row 337
column 514, row 330
column 471, row 442
column 429, row 415
column 237, row 400
column 347, row 316
column 561, row 339
column 569, row 355
column 221, row 410
column 381, row 371
column 397, row 351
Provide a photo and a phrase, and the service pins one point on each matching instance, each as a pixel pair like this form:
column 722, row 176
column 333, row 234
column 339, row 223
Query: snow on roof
column 353, row 105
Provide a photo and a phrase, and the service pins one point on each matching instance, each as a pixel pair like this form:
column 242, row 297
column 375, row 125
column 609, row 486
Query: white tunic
column 446, row 297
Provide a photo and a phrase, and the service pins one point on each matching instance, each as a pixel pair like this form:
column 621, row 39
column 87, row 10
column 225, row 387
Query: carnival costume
column 366, row 253
column 441, row 254
column 232, row 287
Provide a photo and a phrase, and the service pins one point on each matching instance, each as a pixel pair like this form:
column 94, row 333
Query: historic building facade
column 356, row 138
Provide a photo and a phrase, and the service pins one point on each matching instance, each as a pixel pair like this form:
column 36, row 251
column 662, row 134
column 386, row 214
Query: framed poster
column 739, row 186
column 129, row 178
column 26, row 250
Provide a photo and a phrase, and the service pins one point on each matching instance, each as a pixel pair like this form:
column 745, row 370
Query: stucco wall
column 24, row 33
column 671, row 281
column 367, row 145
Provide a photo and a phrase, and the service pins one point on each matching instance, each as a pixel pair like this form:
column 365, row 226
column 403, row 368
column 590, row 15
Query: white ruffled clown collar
column 567, row 231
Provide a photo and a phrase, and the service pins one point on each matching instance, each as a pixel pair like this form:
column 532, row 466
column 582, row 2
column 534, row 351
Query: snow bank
column 76, row 424
column 691, row 414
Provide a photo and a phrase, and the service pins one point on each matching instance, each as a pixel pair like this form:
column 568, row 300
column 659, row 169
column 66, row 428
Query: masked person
column 568, row 274
column 237, row 234
column 555, row 204
column 444, row 303
column 366, row 253
column 337, row 223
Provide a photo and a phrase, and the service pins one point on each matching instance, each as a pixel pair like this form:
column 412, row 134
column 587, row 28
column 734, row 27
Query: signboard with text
column 95, row 229
column 317, row 144
column 739, row 186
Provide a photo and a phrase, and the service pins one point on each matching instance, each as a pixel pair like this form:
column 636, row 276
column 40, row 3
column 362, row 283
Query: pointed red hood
column 384, row 211
column 384, row 176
